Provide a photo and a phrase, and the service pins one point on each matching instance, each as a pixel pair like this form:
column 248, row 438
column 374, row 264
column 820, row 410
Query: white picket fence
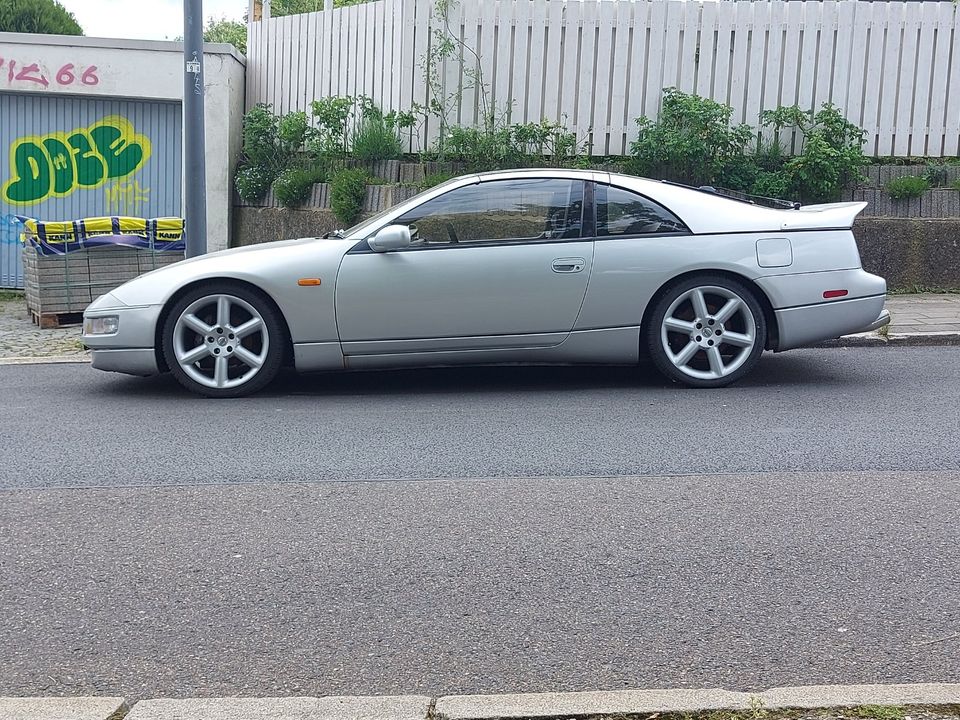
column 891, row 67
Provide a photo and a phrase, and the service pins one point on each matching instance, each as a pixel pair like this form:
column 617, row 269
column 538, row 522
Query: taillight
column 828, row 294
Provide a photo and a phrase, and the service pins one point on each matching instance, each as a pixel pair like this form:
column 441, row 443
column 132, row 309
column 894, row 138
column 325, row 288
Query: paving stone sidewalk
column 922, row 316
column 926, row 313
column 20, row 338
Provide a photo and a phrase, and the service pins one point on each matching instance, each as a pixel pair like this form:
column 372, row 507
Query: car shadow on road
column 774, row 371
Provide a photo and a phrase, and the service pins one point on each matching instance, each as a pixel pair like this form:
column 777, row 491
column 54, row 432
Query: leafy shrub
column 772, row 184
column 261, row 136
column 331, row 116
column 293, row 130
column 293, row 185
column 831, row 154
column 909, row 186
column 347, row 189
column 937, row 174
column 496, row 144
column 252, row 182
column 955, row 184
column 376, row 139
column 692, row 140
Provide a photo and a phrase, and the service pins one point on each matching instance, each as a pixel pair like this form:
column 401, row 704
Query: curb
column 46, row 360
column 72, row 708
column 894, row 340
column 528, row 706
column 404, row 707
column 549, row 706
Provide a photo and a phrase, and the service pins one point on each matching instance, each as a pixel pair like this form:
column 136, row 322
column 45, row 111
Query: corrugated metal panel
column 63, row 158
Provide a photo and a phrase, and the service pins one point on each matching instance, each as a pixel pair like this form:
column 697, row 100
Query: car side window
column 621, row 212
column 499, row 211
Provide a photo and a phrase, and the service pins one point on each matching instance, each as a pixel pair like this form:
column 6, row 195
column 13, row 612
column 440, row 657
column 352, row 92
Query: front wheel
column 223, row 340
column 706, row 331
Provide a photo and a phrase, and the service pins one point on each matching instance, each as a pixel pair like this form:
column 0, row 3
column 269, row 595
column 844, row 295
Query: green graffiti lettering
column 31, row 175
column 121, row 155
column 62, row 164
column 91, row 168
column 58, row 164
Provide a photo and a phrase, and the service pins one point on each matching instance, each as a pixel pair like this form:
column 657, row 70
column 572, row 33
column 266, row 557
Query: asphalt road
column 510, row 529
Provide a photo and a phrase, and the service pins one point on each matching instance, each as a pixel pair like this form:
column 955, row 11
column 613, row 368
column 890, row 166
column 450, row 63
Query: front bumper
column 132, row 348
column 132, row 361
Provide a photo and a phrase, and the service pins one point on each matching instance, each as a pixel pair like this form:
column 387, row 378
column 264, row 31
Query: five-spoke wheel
column 707, row 331
column 223, row 340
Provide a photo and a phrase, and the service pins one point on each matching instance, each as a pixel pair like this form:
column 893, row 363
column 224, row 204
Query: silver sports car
column 534, row 266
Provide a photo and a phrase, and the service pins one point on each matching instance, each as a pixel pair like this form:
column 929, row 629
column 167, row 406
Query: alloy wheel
column 708, row 332
column 221, row 341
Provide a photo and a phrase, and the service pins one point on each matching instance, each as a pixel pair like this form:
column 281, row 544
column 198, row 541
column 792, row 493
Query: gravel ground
column 19, row 337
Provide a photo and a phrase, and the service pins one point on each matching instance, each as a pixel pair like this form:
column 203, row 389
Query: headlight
column 105, row 325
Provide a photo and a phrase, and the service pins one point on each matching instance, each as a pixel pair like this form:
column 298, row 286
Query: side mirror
column 392, row 237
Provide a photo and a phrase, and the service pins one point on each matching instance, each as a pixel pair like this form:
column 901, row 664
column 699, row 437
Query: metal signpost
column 195, row 185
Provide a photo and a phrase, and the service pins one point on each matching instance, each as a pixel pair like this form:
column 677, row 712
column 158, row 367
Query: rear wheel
column 706, row 331
column 223, row 340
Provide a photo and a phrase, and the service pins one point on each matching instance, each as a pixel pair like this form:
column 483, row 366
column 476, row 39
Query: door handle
column 568, row 265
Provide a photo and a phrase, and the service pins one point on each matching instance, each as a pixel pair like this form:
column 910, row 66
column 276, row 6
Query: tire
column 223, row 340
column 706, row 331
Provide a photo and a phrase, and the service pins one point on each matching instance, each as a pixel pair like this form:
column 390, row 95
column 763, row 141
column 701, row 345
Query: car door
column 495, row 264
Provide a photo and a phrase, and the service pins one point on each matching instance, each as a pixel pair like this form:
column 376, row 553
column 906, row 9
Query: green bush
column 496, row 144
column 260, row 136
column 909, row 186
column 692, row 141
column 937, row 174
column 252, row 182
column 831, row 154
column 293, row 130
column 293, row 185
column 331, row 116
column 376, row 139
column 347, row 189
column 955, row 184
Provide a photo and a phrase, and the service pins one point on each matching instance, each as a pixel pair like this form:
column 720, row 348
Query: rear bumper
column 810, row 324
column 883, row 319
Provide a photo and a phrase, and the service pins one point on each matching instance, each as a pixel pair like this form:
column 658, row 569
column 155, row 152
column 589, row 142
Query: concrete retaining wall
column 907, row 252
column 911, row 252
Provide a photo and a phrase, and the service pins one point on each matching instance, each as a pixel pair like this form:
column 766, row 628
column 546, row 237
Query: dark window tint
column 498, row 211
column 621, row 212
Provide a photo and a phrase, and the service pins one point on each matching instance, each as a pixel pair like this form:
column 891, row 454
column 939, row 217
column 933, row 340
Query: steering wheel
column 451, row 233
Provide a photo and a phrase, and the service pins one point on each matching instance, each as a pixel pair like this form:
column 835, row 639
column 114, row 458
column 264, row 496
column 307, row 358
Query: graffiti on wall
column 10, row 229
column 33, row 74
column 58, row 164
column 125, row 197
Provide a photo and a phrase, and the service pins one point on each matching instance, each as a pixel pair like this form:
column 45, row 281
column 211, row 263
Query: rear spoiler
column 830, row 216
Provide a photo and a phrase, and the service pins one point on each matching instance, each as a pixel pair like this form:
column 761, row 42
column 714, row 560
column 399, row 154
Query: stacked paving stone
column 59, row 287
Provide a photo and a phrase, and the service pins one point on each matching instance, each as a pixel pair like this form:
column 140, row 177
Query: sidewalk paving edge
column 46, row 360
column 548, row 706
column 528, row 706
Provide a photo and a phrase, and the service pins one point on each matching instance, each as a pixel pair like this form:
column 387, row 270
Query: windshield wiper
column 334, row 234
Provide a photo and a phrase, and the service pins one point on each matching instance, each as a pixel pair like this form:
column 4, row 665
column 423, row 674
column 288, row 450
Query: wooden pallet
column 56, row 320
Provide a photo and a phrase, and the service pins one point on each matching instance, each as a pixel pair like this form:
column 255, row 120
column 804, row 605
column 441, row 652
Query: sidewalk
column 935, row 701
column 926, row 319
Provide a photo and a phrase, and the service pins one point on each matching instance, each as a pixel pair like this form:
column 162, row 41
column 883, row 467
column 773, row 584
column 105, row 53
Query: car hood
column 264, row 265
